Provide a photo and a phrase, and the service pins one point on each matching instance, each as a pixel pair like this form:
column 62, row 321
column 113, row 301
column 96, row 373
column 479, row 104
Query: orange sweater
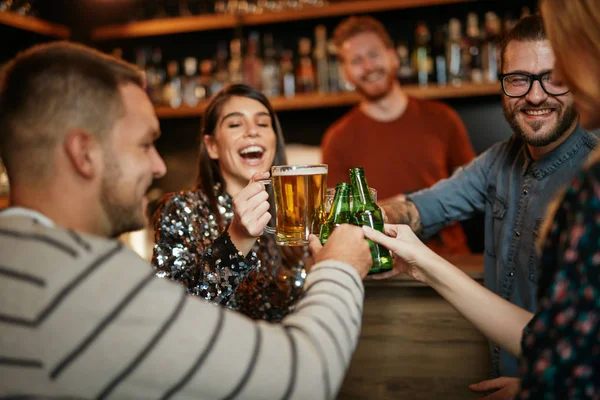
column 426, row 144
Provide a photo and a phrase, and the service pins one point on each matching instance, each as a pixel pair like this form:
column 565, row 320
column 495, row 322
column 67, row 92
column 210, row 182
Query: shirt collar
column 26, row 212
column 550, row 162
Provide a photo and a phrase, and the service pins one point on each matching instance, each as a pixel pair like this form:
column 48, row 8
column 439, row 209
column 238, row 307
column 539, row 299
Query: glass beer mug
column 299, row 192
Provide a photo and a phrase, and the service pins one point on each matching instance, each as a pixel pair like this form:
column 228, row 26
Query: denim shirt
column 513, row 191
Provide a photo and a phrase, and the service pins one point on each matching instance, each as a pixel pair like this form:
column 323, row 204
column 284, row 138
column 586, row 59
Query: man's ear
column 211, row 147
column 84, row 152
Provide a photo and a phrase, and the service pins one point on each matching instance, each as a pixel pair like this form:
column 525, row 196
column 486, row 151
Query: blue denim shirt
column 513, row 191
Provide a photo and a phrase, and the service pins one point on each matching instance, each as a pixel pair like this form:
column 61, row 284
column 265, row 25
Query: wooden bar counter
column 414, row 345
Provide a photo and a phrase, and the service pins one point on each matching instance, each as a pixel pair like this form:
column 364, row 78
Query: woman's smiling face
column 244, row 141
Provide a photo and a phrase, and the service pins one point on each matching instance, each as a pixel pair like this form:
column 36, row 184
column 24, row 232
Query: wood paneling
column 414, row 345
column 35, row 25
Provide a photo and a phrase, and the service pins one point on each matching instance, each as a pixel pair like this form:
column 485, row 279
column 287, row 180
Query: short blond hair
column 51, row 89
column 353, row 26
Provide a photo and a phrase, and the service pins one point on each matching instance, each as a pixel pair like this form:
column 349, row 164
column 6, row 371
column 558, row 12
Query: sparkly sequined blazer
column 191, row 247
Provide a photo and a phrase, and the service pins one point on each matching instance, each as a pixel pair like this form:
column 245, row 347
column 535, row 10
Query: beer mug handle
column 268, row 229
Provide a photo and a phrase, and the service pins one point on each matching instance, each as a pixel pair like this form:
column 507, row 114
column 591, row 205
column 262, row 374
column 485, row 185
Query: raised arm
column 146, row 338
column 498, row 319
column 454, row 199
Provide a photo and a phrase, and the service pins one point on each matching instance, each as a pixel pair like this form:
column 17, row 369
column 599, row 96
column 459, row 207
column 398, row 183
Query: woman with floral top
column 210, row 238
column 559, row 345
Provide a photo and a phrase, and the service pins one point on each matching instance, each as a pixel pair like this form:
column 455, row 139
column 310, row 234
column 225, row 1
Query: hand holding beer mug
column 299, row 192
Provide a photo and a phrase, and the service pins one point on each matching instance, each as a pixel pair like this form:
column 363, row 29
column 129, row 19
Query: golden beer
column 299, row 202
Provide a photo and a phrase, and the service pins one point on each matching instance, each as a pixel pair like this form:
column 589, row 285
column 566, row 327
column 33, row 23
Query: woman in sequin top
column 203, row 237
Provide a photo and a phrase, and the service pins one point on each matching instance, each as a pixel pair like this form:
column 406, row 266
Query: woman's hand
column 411, row 256
column 250, row 213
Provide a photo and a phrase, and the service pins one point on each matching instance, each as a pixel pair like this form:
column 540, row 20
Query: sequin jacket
column 191, row 247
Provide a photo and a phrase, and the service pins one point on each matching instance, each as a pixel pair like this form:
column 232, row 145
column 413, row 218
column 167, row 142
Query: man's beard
column 389, row 80
column 565, row 121
column 122, row 217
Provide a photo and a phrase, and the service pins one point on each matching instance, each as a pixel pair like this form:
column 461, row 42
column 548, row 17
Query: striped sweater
column 84, row 317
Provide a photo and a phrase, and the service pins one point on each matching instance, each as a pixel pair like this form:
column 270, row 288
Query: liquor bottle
column 206, row 77
column 422, row 61
column 473, row 50
column 454, row 50
column 235, row 62
column 287, row 74
column 406, row 73
column 340, row 212
column 439, row 51
column 271, row 72
column 156, row 76
column 221, row 70
column 24, row 7
column 5, row 5
column 321, row 59
column 491, row 47
column 365, row 212
column 252, row 65
column 184, row 8
column 336, row 80
column 172, row 91
column 193, row 92
column 305, row 71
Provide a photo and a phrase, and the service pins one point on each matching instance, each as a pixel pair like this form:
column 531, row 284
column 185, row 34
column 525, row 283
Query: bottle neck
column 360, row 189
column 341, row 201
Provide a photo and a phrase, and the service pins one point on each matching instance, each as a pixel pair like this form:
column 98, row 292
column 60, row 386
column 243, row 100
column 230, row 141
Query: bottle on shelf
column 184, row 8
column 252, row 65
column 474, row 71
column 340, row 212
column 193, row 91
column 454, row 53
column 5, row 5
column 287, row 74
column 439, row 53
column 491, row 47
column 156, row 76
column 172, row 90
column 365, row 212
column 206, row 77
column 321, row 59
column 305, row 71
column 422, row 62
column 336, row 76
column 406, row 73
column 271, row 72
column 235, row 62
column 221, row 69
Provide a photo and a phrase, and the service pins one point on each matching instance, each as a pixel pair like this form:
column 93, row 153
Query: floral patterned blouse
column 191, row 247
column 561, row 344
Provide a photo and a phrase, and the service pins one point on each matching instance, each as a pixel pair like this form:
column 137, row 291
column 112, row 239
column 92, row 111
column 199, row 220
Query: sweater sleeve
column 132, row 335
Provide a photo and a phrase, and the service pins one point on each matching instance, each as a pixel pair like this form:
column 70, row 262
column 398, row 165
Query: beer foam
column 302, row 171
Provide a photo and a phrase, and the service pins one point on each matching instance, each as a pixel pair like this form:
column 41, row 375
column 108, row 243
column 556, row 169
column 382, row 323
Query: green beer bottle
column 340, row 212
column 366, row 212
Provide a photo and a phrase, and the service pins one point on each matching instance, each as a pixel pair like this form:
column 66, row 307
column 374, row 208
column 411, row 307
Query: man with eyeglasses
column 512, row 182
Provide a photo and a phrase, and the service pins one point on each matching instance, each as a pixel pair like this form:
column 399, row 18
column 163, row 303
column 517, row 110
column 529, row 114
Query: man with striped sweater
column 83, row 317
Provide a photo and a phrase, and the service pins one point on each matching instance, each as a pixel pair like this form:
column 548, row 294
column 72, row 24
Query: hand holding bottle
column 412, row 256
column 347, row 244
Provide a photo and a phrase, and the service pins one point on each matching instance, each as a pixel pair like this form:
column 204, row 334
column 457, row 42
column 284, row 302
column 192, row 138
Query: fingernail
column 367, row 229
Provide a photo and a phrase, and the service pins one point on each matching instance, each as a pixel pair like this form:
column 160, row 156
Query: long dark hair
column 209, row 173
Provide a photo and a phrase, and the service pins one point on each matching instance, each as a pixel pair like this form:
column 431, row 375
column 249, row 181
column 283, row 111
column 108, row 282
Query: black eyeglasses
column 518, row 84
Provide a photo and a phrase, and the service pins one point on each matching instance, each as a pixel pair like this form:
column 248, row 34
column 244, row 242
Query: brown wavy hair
column 209, row 173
